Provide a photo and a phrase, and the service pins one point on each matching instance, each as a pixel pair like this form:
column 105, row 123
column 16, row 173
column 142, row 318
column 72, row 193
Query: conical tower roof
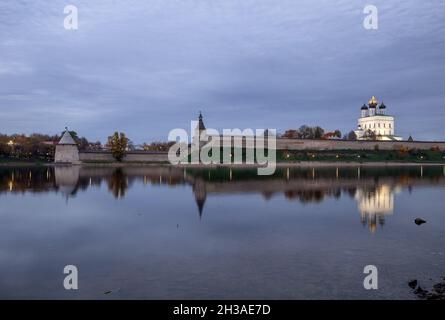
column 67, row 138
column 201, row 125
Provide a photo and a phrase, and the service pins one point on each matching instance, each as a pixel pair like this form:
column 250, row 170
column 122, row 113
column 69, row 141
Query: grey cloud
column 146, row 67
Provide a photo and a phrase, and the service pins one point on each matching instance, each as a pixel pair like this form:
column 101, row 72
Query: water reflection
column 372, row 188
column 117, row 183
column 375, row 204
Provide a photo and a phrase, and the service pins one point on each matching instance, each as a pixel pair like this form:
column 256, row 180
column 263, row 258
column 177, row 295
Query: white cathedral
column 375, row 123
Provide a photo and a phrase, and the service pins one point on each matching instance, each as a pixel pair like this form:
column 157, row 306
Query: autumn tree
column 291, row 134
column 318, row 132
column 118, row 143
column 337, row 133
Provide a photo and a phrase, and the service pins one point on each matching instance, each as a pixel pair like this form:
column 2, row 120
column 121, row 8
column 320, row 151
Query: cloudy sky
column 145, row 67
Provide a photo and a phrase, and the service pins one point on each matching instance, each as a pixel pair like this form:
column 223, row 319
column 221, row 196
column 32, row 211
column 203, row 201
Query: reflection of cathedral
column 375, row 204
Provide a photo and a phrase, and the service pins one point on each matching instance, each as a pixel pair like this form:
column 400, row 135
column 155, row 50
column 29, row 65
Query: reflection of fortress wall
column 374, row 192
column 155, row 172
column 168, row 174
column 306, row 180
column 282, row 185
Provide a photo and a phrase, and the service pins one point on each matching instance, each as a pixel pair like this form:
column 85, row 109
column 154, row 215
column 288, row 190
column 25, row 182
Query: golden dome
column 373, row 102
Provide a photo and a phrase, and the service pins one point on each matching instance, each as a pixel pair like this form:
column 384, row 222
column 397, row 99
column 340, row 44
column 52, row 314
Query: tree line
column 41, row 147
column 37, row 146
column 316, row 132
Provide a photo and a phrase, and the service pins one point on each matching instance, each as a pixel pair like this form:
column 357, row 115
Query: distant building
column 375, row 123
column 200, row 132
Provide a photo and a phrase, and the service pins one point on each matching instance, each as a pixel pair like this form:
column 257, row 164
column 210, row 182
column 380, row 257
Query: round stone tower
column 67, row 150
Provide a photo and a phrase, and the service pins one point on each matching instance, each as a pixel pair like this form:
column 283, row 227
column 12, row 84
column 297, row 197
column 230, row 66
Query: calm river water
column 174, row 233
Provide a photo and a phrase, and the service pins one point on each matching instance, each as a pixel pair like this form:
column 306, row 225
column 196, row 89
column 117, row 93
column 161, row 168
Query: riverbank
column 288, row 158
column 24, row 163
column 317, row 164
column 236, row 166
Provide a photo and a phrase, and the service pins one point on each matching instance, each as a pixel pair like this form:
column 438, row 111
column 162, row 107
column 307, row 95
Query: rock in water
column 440, row 288
column 412, row 284
column 419, row 221
column 421, row 293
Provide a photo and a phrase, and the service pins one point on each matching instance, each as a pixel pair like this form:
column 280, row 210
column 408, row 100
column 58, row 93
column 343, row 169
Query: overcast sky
column 146, row 67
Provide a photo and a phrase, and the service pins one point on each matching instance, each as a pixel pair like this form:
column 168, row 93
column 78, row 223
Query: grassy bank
column 20, row 162
column 299, row 156
column 411, row 156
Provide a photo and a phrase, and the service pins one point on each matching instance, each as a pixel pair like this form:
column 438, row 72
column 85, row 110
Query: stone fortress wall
column 282, row 144
column 131, row 156
column 326, row 144
column 300, row 144
column 70, row 153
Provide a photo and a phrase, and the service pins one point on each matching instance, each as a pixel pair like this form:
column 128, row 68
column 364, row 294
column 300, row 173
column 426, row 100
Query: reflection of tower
column 374, row 205
column 199, row 189
column 67, row 178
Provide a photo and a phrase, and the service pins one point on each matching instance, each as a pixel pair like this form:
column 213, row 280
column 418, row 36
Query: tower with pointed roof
column 66, row 150
column 375, row 123
column 200, row 130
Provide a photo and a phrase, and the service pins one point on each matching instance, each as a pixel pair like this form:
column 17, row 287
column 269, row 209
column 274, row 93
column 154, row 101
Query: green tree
column 370, row 135
column 350, row 136
column 318, row 132
column 118, row 143
column 306, row 132
column 337, row 133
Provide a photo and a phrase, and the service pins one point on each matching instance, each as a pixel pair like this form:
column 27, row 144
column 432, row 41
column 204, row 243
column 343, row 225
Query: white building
column 374, row 122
